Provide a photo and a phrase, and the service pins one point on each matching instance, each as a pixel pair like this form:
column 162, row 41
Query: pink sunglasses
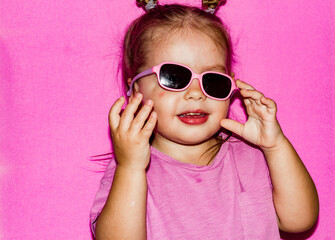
column 177, row 77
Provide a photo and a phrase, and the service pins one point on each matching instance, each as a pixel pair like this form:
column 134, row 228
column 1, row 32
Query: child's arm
column 294, row 193
column 124, row 214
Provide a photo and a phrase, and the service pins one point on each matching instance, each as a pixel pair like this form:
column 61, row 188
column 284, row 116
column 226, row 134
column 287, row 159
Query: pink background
column 58, row 71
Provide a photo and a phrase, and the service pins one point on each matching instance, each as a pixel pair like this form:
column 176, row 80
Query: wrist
column 130, row 169
column 281, row 142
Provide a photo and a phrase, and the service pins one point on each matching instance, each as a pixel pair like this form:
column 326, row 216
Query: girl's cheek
column 161, row 94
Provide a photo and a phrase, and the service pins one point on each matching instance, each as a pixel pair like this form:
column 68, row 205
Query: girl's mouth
column 193, row 117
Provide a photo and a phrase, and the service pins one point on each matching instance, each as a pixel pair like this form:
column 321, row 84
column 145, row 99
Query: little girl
column 176, row 172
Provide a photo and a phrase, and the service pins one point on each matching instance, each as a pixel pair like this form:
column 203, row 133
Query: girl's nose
column 194, row 91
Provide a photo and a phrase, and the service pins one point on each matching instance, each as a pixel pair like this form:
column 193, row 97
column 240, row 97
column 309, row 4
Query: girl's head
column 188, row 36
column 156, row 25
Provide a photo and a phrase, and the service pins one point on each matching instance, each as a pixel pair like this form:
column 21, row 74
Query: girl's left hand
column 262, row 127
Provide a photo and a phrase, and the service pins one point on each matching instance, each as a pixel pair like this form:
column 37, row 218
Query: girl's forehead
column 166, row 34
column 192, row 48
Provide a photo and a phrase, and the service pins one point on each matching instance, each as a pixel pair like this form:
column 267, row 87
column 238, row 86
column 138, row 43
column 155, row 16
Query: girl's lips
column 193, row 117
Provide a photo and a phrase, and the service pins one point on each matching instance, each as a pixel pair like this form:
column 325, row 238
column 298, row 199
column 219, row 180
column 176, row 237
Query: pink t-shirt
column 229, row 199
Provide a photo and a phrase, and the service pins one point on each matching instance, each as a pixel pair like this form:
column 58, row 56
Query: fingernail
column 149, row 102
column 153, row 115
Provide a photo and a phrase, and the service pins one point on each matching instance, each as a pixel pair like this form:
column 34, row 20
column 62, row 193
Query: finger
column 248, row 100
column 141, row 117
column 149, row 125
column 252, row 94
column 270, row 104
column 128, row 113
column 243, row 85
column 114, row 113
column 232, row 126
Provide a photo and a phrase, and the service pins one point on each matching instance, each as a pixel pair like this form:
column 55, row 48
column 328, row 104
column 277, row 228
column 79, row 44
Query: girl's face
column 200, row 53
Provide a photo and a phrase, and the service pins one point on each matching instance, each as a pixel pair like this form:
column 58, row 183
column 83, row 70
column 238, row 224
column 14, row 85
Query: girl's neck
column 198, row 154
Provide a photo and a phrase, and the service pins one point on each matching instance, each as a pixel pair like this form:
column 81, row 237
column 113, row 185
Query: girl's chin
column 190, row 139
column 196, row 141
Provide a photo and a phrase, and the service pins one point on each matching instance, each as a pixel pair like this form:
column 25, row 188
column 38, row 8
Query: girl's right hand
column 130, row 133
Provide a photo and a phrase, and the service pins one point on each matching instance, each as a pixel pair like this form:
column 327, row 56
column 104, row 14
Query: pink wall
column 58, row 70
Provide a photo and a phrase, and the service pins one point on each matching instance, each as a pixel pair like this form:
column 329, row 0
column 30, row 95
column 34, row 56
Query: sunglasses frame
column 156, row 70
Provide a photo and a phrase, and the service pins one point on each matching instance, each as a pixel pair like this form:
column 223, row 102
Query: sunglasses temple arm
column 234, row 90
column 138, row 76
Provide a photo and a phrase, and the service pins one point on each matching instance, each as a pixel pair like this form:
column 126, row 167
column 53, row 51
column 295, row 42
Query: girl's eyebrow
column 213, row 67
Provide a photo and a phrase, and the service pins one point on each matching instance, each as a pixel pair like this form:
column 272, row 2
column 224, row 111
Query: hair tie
column 210, row 10
column 148, row 4
column 210, row 6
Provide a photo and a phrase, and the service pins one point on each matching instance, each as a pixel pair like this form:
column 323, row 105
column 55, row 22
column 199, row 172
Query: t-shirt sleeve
column 102, row 194
column 256, row 199
column 251, row 166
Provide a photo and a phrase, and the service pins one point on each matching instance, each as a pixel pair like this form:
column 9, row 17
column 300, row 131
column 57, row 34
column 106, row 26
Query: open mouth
column 193, row 117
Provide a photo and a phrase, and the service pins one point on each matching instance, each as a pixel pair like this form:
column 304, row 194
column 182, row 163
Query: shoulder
column 242, row 148
column 245, row 152
column 102, row 194
column 250, row 163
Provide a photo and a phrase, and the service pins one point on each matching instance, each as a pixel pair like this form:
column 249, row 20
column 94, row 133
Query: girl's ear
column 135, row 89
column 232, row 75
column 129, row 82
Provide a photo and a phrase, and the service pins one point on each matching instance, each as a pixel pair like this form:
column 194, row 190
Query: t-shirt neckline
column 168, row 159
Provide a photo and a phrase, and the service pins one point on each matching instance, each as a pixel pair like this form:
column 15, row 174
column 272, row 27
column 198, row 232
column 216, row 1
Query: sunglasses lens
column 216, row 85
column 174, row 76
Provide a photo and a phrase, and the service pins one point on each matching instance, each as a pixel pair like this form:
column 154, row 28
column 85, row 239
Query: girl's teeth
column 192, row 114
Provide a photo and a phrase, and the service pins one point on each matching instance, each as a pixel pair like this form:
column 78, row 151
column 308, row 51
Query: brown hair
column 142, row 33
column 207, row 4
